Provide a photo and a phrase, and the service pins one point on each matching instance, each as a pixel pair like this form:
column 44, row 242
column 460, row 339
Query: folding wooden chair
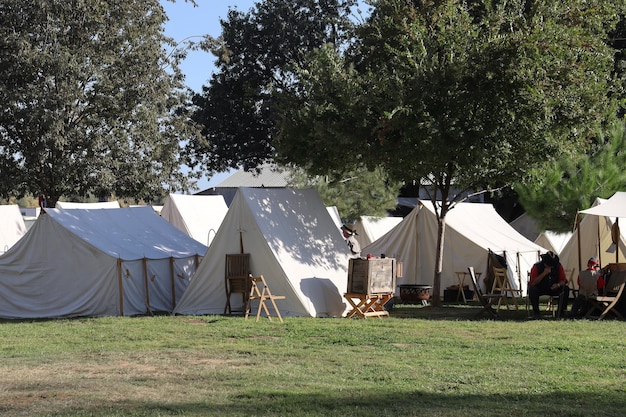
column 261, row 292
column 501, row 284
column 614, row 291
column 486, row 300
column 236, row 279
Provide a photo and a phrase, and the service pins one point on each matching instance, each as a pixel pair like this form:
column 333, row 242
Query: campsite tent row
column 290, row 236
column 472, row 230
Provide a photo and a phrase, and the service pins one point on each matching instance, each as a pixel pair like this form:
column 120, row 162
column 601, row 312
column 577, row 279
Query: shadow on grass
column 377, row 403
column 473, row 310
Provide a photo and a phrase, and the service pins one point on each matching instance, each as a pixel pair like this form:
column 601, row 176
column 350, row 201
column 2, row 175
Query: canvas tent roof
column 594, row 234
column 471, row 230
column 334, row 214
column 292, row 242
column 84, row 262
column 268, row 176
column 12, row 226
column 370, row 228
column 553, row 241
column 99, row 205
column 613, row 207
column 199, row 216
column 527, row 226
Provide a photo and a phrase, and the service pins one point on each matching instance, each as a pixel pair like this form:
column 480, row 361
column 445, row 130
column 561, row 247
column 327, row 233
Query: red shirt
column 534, row 271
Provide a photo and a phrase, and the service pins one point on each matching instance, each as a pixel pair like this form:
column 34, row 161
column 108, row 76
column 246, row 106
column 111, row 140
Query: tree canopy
column 556, row 192
column 468, row 95
column 237, row 109
column 92, row 100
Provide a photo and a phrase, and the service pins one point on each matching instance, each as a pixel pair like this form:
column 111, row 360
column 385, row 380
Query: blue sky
column 186, row 20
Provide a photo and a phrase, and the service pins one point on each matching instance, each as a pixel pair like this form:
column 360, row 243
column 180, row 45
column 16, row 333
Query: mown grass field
column 420, row 361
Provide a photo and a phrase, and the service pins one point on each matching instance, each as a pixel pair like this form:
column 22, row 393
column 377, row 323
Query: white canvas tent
column 370, row 228
column 553, row 241
column 99, row 205
column 292, row 242
column 12, row 226
column 30, row 214
column 526, row 226
column 198, row 216
column 472, row 229
column 334, row 214
column 125, row 261
column 594, row 234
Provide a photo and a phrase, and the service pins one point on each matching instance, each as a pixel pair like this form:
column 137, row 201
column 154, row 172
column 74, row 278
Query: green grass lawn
column 420, row 361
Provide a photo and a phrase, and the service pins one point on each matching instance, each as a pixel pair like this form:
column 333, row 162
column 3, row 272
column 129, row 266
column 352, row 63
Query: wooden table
column 460, row 277
column 368, row 305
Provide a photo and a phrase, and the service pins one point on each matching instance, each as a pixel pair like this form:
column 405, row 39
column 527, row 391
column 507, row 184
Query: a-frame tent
column 292, row 241
column 12, row 226
column 199, row 216
column 553, row 241
column 103, row 262
column 472, row 229
column 370, row 228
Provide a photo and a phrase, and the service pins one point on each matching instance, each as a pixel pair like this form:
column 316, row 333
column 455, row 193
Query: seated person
column 547, row 277
column 590, row 284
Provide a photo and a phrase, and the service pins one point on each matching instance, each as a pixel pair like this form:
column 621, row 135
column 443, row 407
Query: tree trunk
column 441, row 230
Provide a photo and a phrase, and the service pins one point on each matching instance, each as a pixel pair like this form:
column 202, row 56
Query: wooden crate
column 372, row 276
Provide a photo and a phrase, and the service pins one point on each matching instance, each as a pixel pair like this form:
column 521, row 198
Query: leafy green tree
column 554, row 193
column 354, row 193
column 91, row 100
column 237, row 110
column 468, row 95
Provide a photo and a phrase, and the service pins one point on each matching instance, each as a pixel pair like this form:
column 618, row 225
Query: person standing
column 547, row 277
column 349, row 233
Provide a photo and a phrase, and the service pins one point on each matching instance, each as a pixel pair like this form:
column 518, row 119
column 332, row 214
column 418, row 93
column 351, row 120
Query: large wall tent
column 472, row 229
column 292, row 241
column 598, row 227
column 12, row 226
column 104, row 262
column 199, row 216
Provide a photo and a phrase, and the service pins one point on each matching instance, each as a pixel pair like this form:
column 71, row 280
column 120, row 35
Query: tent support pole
column 120, row 284
column 145, row 280
column 598, row 247
column 173, row 283
column 578, row 239
column 519, row 273
column 616, row 238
